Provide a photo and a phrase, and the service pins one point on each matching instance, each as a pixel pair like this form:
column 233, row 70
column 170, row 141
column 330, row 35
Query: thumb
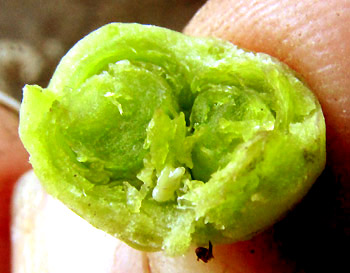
column 312, row 37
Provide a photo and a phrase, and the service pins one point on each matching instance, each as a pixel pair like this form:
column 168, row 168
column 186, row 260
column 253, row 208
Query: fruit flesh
column 163, row 140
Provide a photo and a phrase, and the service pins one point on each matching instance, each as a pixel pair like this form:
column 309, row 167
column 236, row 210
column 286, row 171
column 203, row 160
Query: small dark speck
column 75, row 175
column 89, row 205
column 252, row 251
column 205, row 254
column 338, row 14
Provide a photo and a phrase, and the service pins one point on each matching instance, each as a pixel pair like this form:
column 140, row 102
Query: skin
column 316, row 46
column 43, row 227
column 13, row 163
column 294, row 32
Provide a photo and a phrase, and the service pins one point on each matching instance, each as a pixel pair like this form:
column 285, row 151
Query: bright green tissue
column 165, row 140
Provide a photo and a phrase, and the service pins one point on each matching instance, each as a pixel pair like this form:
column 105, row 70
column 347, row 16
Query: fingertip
column 13, row 162
column 312, row 37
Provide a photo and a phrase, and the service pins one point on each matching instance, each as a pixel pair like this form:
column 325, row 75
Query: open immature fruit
column 164, row 140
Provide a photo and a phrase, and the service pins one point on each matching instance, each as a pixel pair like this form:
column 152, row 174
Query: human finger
column 48, row 237
column 13, row 162
column 312, row 37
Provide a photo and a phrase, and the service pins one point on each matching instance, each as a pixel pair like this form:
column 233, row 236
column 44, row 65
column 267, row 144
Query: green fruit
column 165, row 140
